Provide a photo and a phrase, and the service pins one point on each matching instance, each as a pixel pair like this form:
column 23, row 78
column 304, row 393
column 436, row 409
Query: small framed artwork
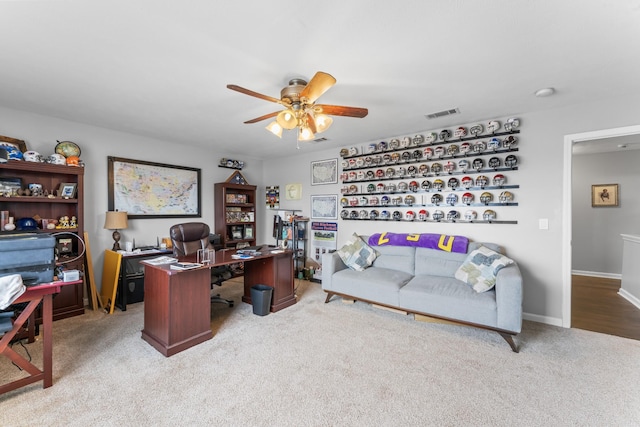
column 248, row 232
column 324, row 206
column 324, row 172
column 603, row 195
column 236, row 232
column 67, row 190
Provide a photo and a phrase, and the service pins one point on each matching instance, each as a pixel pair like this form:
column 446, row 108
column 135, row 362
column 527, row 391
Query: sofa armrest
column 509, row 298
column 331, row 263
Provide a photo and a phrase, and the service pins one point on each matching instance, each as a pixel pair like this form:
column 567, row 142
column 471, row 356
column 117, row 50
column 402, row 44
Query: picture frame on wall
column 324, row 206
column 324, row 172
column 604, row 195
column 153, row 190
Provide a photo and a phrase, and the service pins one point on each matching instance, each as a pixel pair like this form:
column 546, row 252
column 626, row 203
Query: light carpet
column 336, row 364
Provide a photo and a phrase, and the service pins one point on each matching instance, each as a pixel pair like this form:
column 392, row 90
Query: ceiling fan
column 301, row 111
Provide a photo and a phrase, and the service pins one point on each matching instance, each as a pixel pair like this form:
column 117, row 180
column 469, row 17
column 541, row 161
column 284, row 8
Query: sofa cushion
column 481, row 267
column 396, row 258
column 374, row 284
column 450, row 298
column 356, row 254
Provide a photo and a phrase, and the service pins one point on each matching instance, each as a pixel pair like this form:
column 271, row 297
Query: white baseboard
column 631, row 298
column 553, row 321
column 597, row 274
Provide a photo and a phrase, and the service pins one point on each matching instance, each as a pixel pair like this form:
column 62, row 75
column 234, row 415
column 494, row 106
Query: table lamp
column 115, row 221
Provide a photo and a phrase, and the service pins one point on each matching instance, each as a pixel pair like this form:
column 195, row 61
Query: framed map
column 324, row 206
column 324, row 172
column 153, row 190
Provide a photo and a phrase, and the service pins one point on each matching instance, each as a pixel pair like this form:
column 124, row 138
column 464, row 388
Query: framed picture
column 603, row 195
column 293, row 191
column 324, row 172
column 10, row 186
column 67, row 190
column 153, row 190
column 236, row 232
column 324, row 206
column 248, row 232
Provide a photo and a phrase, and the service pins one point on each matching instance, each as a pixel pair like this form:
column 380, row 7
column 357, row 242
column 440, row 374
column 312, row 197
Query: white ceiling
column 160, row 67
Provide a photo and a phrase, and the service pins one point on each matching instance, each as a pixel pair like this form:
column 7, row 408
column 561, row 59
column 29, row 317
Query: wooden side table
column 34, row 295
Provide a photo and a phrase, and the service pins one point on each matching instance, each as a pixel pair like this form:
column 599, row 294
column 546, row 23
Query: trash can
column 261, row 299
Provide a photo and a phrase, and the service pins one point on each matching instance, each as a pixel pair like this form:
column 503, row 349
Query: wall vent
column 322, row 139
column 442, row 113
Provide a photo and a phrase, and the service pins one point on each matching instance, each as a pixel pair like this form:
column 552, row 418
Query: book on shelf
column 185, row 265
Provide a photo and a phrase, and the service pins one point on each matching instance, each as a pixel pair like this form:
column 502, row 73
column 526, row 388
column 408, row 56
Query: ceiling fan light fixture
column 305, row 134
column 323, row 122
column 287, row 119
column 275, row 129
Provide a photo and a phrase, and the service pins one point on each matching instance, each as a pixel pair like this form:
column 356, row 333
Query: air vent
column 442, row 113
column 319, row 140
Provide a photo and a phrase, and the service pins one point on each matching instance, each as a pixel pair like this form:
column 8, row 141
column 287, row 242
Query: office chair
column 187, row 238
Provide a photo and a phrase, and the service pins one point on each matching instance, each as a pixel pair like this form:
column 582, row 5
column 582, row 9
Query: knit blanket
column 441, row 242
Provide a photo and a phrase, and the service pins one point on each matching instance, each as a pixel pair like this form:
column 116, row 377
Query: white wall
column 41, row 133
column 597, row 244
column 540, row 174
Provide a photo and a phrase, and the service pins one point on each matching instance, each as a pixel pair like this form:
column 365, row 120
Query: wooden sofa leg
column 509, row 339
column 329, row 295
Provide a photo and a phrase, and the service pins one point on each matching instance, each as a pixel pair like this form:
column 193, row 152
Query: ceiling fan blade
column 339, row 110
column 252, row 93
column 311, row 123
column 318, row 85
column 261, row 118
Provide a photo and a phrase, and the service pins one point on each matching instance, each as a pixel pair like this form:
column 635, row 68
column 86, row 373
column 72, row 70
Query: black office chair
column 187, row 239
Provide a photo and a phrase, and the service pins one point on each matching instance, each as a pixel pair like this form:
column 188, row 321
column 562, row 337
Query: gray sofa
column 421, row 281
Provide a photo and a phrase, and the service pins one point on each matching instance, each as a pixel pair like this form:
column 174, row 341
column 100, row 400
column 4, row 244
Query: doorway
column 569, row 142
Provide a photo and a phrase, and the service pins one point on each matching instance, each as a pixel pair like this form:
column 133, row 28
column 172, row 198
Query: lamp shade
column 115, row 220
column 323, row 122
column 275, row 129
column 287, row 119
column 305, row 134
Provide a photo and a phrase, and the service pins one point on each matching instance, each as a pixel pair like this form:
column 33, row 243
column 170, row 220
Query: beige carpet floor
column 336, row 364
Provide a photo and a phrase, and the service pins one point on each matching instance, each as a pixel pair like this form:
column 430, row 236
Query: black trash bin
column 261, row 299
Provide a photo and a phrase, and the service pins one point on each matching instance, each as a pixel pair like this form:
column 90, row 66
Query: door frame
column 569, row 141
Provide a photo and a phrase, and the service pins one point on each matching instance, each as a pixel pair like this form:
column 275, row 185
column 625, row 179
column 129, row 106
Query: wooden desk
column 33, row 295
column 177, row 303
column 124, row 275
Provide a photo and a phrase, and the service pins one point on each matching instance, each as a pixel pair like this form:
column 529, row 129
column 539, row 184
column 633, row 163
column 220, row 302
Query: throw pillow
column 481, row 267
column 356, row 254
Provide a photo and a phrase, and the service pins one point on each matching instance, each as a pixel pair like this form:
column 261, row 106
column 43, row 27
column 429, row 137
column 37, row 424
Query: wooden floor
column 596, row 306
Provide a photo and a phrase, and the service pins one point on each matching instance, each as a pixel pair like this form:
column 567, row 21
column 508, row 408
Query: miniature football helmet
column 406, row 142
column 486, row 198
column 436, row 199
column 363, row 201
column 394, row 144
column 511, row 161
column 412, row 171
column 353, row 151
column 380, row 187
column 476, row 130
column 385, row 200
column 467, row 182
column 360, row 176
column 410, row 216
column 418, row 139
column 423, row 169
column 510, row 142
column 426, row 184
column 465, row 147
column 397, row 200
column 33, row 156
column 467, row 198
column 453, row 215
column 460, row 132
column 384, row 215
column 439, row 151
column 423, row 215
column 413, row 186
column 344, row 214
column 401, row 171
column 493, row 126
column 353, row 201
column 494, row 144
column 374, row 214
column 452, row 199
column 391, row 188
column 477, row 163
column 449, row 167
column 344, row 202
column 374, row 201
column 453, row 183
column 406, row 156
column 437, row 215
column 482, row 181
column 479, row 147
column 386, row 159
column 463, row 165
column 57, row 159
column 353, row 214
column 390, row 172
column 436, row 168
column 379, row 173
column 470, row 215
column 402, row 186
column 363, row 214
column 344, row 152
column 397, row 215
column 417, row 154
column 395, row 158
column 489, row 215
column 506, row 197
column 495, row 162
column 409, row 200
column 427, row 153
column 445, row 134
column 431, row 138
column 382, row 146
column 438, row 184
column 453, row 149
column 499, row 180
